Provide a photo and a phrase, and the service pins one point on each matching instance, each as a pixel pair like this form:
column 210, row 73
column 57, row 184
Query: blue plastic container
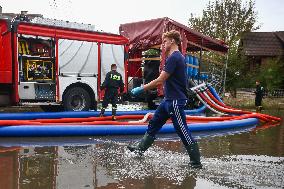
column 188, row 61
column 195, row 70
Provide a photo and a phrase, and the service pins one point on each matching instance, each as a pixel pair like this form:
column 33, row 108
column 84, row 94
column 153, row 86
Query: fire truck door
column 78, row 62
column 112, row 54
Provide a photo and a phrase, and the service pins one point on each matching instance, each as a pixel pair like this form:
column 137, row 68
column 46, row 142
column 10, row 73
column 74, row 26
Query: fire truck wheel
column 76, row 99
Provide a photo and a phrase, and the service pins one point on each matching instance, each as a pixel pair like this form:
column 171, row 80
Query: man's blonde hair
column 173, row 34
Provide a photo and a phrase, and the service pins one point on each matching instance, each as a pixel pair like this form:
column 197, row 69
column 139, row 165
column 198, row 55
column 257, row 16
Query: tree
column 269, row 74
column 227, row 20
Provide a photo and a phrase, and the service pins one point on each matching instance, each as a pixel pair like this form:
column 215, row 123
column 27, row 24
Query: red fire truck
column 47, row 63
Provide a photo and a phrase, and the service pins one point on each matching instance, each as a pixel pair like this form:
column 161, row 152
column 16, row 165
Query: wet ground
column 247, row 158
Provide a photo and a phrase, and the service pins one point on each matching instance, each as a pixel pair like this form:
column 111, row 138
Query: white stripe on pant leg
column 183, row 129
column 176, row 113
column 178, row 118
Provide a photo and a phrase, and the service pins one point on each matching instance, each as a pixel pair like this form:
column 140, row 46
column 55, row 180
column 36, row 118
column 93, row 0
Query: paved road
column 20, row 109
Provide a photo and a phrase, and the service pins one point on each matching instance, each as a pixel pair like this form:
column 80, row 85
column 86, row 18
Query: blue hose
column 213, row 91
column 80, row 114
column 103, row 130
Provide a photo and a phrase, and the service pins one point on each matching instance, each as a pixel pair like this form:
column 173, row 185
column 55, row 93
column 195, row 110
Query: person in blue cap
column 174, row 81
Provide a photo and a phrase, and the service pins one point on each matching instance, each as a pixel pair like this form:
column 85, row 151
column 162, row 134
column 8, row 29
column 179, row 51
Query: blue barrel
column 195, row 70
column 189, row 61
column 205, row 76
column 186, row 60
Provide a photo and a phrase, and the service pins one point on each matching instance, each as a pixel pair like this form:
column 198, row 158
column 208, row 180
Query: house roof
column 144, row 34
column 263, row 43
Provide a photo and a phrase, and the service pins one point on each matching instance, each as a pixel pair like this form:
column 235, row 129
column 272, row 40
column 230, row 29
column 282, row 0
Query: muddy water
column 247, row 158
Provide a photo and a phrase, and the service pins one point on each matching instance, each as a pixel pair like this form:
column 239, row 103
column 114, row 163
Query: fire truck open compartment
column 36, row 60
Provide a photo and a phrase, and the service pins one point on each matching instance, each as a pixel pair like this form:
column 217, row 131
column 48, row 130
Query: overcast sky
column 107, row 15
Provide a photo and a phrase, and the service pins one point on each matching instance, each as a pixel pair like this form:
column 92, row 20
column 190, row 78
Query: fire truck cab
column 51, row 63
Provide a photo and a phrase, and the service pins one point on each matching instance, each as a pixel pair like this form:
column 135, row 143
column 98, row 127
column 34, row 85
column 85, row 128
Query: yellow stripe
column 23, row 48
column 27, row 47
column 19, row 48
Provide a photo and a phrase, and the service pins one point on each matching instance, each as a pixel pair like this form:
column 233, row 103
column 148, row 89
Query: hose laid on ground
column 212, row 100
column 207, row 105
column 81, row 114
column 103, row 130
column 222, row 109
column 87, row 123
column 204, row 94
column 265, row 115
column 107, row 120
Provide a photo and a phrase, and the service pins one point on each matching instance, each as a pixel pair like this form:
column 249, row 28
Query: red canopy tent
column 146, row 34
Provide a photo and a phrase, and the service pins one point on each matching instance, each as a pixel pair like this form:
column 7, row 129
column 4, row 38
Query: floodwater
column 247, row 158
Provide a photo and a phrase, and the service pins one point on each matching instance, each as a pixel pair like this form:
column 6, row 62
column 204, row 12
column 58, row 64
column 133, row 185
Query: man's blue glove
column 137, row 90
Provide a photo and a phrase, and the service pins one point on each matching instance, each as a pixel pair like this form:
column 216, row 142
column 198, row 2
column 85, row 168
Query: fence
column 277, row 93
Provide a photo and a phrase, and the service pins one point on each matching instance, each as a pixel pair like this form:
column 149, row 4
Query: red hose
column 73, row 120
column 17, row 122
column 230, row 110
column 10, row 149
column 266, row 126
column 247, row 112
column 217, row 101
column 219, row 107
column 104, row 120
column 224, row 108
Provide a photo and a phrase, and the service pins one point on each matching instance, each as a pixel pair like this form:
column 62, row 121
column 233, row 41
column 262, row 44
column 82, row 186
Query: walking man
column 111, row 84
column 174, row 81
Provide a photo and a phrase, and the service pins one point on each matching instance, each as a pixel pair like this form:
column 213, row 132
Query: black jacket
column 113, row 80
column 259, row 91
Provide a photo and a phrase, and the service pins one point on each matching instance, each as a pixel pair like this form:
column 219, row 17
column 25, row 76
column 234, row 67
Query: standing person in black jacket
column 112, row 82
column 258, row 96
